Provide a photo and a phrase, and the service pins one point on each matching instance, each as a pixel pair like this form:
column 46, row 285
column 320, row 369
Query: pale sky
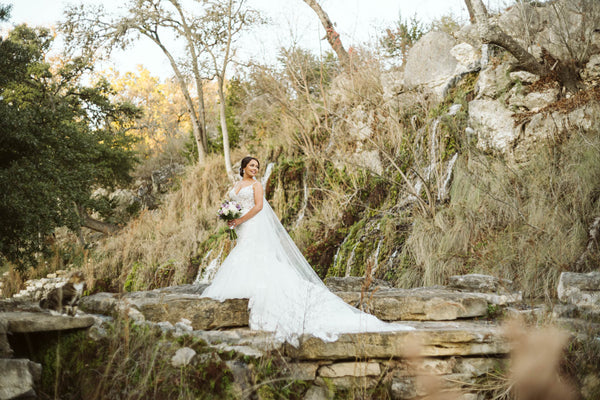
column 291, row 21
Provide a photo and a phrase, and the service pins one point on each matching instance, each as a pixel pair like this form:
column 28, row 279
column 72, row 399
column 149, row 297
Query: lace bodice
column 245, row 197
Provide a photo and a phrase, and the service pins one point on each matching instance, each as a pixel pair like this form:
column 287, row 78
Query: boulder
column 429, row 62
column 183, row 289
column 535, row 101
column 368, row 159
column 492, row 81
column 420, row 304
column 182, row 357
column 318, row 393
column 582, row 290
column 536, row 25
column 204, row 313
column 352, row 283
column 18, row 378
column 467, row 57
column 522, row 21
column 429, row 339
column 494, row 125
column 468, row 33
column 100, row 303
column 359, row 124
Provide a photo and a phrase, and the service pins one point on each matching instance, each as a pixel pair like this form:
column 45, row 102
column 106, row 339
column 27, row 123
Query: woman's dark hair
column 245, row 162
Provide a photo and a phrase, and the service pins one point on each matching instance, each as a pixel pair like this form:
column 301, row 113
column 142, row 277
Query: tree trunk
column 470, row 10
column 490, row 33
column 94, row 224
column 332, row 36
column 196, row 70
column 224, row 130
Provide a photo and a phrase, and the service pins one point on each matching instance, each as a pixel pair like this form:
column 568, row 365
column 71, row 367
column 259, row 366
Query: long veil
column 288, row 253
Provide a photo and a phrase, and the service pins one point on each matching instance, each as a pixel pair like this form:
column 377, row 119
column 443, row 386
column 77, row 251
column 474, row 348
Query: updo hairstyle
column 245, row 162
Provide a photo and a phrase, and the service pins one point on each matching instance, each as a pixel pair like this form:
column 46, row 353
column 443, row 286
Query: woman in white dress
column 285, row 295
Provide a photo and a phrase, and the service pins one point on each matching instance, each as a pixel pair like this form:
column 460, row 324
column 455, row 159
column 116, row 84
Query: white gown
column 285, row 294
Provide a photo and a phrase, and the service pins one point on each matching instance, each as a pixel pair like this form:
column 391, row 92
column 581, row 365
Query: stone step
column 421, row 304
column 159, row 306
column 26, row 322
column 173, row 304
column 429, row 339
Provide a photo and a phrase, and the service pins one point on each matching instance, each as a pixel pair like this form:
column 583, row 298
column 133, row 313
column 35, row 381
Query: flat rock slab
column 159, row 306
column 481, row 283
column 427, row 340
column 421, row 304
column 25, row 322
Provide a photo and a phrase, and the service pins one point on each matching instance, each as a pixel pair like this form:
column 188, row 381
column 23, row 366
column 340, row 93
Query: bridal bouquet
column 229, row 211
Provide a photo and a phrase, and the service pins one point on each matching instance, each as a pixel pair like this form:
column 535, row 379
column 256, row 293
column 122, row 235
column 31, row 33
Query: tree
column 165, row 120
column 330, row 33
column 222, row 25
column 399, row 40
column 92, row 27
column 58, row 140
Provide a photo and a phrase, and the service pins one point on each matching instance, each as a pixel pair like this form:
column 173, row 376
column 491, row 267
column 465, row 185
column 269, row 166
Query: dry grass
column 160, row 243
column 527, row 223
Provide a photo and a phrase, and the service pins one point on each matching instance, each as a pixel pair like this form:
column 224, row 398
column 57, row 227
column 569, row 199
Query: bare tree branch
column 331, row 34
column 492, row 34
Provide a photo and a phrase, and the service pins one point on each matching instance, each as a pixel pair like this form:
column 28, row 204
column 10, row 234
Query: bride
column 285, row 295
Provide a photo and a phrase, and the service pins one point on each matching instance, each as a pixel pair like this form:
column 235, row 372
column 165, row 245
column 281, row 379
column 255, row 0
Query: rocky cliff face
column 452, row 147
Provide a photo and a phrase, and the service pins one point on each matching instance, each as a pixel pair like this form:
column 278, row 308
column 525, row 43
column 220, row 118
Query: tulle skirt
column 281, row 299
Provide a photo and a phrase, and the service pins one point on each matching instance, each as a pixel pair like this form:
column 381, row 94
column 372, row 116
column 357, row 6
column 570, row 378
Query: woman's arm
column 258, row 205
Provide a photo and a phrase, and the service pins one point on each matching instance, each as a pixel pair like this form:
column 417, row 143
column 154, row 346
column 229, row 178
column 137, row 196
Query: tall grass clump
column 526, row 222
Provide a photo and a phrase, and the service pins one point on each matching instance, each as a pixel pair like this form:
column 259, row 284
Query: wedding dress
column 285, row 295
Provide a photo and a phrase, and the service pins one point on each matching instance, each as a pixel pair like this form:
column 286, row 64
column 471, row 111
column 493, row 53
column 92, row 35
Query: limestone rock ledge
column 24, row 322
column 420, row 304
column 429, row 339
column 157, row 306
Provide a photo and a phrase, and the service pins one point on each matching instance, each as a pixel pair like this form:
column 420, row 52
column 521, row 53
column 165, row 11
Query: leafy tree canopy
column 59, row 138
